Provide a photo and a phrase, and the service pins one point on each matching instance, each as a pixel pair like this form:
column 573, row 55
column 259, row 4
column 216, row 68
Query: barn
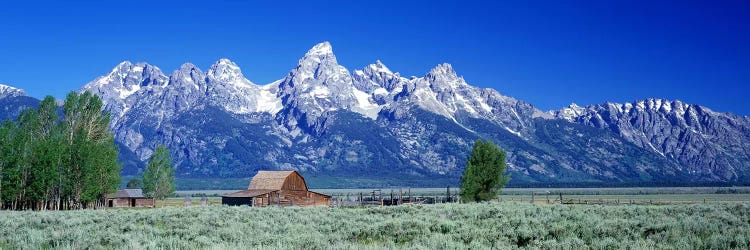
column 285, row 188
column 129, row 198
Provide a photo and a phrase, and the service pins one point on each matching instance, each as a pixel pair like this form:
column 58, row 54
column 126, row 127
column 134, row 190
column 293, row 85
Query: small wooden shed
column 129, row 198
column 286, row 188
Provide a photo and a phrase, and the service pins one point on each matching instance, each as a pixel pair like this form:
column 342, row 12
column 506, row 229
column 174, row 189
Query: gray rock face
column 708, row 145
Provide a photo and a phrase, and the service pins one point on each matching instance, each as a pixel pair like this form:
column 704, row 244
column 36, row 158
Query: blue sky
column 548, row 53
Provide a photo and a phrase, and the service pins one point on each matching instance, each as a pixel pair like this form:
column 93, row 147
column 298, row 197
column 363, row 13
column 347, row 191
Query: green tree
column 134, row 183
column 48, row 162
column 6, row 139
column 91, row 164
column 47, row 153
column 158, row 177
column 484, row 175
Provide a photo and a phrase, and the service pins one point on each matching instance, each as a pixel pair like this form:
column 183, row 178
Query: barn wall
column 120, row 202
column 144, row 202
column 127, row 202
column 263, row 200
column 304, row 198
column 294, row 182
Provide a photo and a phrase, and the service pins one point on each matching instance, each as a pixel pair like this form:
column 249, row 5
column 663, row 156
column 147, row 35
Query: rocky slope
column 705, row 144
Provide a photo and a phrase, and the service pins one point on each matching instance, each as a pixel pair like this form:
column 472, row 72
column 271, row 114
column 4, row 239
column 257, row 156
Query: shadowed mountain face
column 371, row 123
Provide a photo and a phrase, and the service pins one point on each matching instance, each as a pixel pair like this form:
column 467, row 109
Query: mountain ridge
column 324, row 119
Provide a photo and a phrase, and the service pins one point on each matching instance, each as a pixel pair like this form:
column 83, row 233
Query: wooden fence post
column 448, row 194
column 400, row 196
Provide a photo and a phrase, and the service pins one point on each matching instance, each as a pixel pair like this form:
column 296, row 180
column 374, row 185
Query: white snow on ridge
column 124, row 93
column 380, row 91
column 365, row 107
column 320, row 92
column 483, row 105
column 6, row 91
column 267, row 100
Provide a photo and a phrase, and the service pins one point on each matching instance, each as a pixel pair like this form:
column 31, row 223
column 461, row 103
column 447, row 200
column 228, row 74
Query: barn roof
column 272, row 180
column 249, row 193
column 129, row 193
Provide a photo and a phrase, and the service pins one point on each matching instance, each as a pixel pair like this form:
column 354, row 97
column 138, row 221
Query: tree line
column 52, row 158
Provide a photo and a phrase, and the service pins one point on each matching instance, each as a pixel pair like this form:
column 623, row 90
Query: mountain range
column 374, row 124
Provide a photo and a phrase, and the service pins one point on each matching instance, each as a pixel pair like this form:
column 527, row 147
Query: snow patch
column 124, row 93
column 364, row 105
column 380, row 91
column 513, row 131
column 320, row 92
column 267, row 101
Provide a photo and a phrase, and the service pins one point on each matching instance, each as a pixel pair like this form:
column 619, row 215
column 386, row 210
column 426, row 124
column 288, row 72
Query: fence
column 392, row 198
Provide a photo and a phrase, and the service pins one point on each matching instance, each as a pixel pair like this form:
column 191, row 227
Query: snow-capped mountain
column 374, row 124
column 13, row 101
column 314, row 89
column 8, row 91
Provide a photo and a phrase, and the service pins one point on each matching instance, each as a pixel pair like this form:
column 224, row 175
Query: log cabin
column 129, row 198
column 284, row 188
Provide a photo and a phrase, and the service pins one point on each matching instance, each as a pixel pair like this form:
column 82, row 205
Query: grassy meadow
column 444, row 226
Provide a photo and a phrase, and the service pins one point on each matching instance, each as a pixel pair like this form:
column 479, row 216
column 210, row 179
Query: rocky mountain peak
column 444, row 77
column 125, row 79
column 8, row 91
column 226, row 71
column 320, row 49
column 321, row 53
column 379, row 67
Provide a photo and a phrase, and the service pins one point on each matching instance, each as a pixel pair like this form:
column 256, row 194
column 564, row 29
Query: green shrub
column 444, row 226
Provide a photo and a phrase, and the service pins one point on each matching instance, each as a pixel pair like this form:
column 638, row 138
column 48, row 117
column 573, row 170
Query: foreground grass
column 447, row 226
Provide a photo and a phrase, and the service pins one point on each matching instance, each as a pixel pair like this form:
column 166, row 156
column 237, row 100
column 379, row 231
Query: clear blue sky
column 548, row 53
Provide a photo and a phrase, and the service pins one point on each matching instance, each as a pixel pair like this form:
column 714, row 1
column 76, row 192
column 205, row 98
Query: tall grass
column 446, row 226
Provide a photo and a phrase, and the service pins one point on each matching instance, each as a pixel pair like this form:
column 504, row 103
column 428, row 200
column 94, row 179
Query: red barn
column 287, row 188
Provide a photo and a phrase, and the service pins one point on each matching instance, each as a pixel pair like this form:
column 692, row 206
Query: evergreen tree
column 158, row 177
column 484, row 175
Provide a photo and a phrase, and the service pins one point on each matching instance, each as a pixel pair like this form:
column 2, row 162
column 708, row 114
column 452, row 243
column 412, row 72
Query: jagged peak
column 378, row 66
column 226, row 71
column 6, row 91
column 574, row 106
column 189, row 66
column 443, row 69
column 317, row 54
column 443, row 76
column 319, row 49
column 225, row 61
column 127, row 67
column 124, row 64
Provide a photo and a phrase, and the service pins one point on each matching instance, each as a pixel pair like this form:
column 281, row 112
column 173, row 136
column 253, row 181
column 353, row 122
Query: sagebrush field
column 446, row 226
